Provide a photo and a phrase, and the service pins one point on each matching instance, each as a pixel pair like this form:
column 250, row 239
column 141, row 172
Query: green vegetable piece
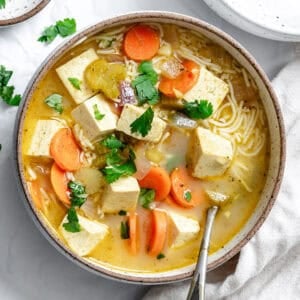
column 73, row 222
column 198, row 109
column 97, row 114
column 122, row 213
column 112, row 142
column 146, row 197
column 114, row 157
column 66, row 27
column 160, row 256
column 55, row 101
column 124, row 230
column 48, row 35
column 143, row 124
column 2, row 4
column 114, row 172
column 78, row 195
column 75, row 82
column 187, row 195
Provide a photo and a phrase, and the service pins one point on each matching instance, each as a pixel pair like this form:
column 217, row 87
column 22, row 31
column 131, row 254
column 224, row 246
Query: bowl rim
column 27, row 15
column 44, row 67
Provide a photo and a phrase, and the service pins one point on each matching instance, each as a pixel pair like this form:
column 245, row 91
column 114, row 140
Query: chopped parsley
column 122, row 212
column 75, row 82
column 111, row 142
column 144, row 84
column 143, row 124
column 7, row 92
column 2, row 4
column 146, row 197
column 63, row 28
column 78, row 197
column 187, row 195
column 198, row 109
column 124, row 230
column 97, row 114
column 55, row 101
column 160, row 256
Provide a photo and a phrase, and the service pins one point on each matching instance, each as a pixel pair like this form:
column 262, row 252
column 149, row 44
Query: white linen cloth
column 269, row 265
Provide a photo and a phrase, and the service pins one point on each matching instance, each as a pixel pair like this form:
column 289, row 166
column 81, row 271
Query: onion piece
column 142, row 164
column 182, row 121
column 127, row 94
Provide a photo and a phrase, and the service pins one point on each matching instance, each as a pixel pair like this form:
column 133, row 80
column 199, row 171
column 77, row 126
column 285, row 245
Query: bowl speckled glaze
column 277, row 148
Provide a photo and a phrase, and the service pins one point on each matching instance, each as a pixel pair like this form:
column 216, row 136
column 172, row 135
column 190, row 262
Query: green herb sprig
column 2, row 4
column 198, row 109
column 146, row 197
column 143, row 124
column 55, row 101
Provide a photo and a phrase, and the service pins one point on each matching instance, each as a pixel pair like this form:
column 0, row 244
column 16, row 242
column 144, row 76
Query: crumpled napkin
column 269, row 265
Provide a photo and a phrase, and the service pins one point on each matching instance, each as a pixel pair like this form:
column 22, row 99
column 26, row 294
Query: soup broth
column 133, row 134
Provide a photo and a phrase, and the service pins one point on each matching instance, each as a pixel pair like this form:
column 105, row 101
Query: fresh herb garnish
column 78, row 197
column 73, row 222
column 146, row 197
column 144, row 84
column 98, row 116
column 63, row 28
column 7, row 92
column 2, row 4
column 143, row 124
column 114, row 172
column 160, row 256
column 55, row 101
column 122, row 212
column 75, row 82
column 124, row 230
column 111, row 142
column 114, row 157
column 198, row 109
column 187, row 195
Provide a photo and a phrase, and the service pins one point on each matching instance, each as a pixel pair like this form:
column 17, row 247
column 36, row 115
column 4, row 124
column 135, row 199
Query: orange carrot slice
column 59, row 183
column 141, row 42
column 34, row 190
column 185, row 189
column 158, row 179
column 65, row 151
column 182, row 83
column 133, row 232
column 159, row 232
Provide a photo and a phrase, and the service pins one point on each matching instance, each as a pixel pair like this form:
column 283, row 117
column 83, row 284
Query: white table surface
column 30, row 268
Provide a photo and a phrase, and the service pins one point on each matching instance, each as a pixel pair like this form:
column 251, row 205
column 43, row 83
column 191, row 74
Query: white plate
column 273, row 19
column 16, row 11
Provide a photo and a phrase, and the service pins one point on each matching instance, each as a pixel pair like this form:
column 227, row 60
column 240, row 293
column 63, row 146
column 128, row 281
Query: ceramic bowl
column 277, row 148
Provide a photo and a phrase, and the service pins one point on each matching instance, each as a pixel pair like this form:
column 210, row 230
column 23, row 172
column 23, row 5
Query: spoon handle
column 200, row 270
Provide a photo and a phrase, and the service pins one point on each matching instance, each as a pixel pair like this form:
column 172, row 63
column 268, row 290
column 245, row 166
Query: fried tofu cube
column 209, row 154
column 122, row 194
column 130, row 113
column 208, row 87
column 42, row 136
column 85, row 115
column 75, row 68
column 88, row 238
column 186, row 229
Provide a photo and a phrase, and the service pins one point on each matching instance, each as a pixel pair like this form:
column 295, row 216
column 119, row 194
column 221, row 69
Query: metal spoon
column 197, row 287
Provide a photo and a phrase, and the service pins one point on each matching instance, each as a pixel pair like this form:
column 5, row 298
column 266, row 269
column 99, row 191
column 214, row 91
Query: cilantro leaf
column 160, row 256
column 112, row 142
column 75, row 82
column 146, row 197
column 5, row 75
column 143, row 124
column 2, row 4
column 124, row 230
column 113, row 157
column 144, row 84
column 73, row 222
column 66, row 27
column 198, row 109
column 48, row 35
column 98, row 116
column 55, row 101
column 114, row 172
column 187, row 195
column 78, row 194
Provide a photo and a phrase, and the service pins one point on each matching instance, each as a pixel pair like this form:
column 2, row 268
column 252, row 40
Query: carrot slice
column 34, row 190
column 158, row 179
column 65, row 151
column 141, row 42
column 133, row 234
column 159, row 232
column 182, row 83
column 59, row 183
column 185, row 189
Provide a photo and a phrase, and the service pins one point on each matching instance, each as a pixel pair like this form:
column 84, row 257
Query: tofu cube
column 208, row 87
column 209, row 154
column 84, row 114
column 122, row 194
column 42, row 136
column 130, row 113
column 186, row 229
column 75, row 68
column 90, row 235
